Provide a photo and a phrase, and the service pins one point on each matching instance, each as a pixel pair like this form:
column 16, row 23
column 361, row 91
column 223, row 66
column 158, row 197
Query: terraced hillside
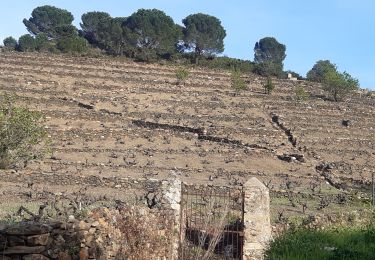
column 110, row 120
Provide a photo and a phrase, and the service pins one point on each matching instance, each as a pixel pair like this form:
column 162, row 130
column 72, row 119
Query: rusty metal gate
column 211, row 222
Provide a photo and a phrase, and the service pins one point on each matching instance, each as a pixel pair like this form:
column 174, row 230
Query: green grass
column 330, row 244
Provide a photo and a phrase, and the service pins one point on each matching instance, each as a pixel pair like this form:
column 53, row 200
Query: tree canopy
column 46, row 19
column 269, row 49
column 320, row 68
column 339, row 84
column 203, row 34
column 91, row 25
column 269, row 54
column 10, row 42
column 26, row 43
column 151, row 29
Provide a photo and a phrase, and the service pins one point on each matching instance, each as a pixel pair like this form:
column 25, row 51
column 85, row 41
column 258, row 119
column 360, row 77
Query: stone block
column 35, row 257
column 23, row 250
column 38, row 240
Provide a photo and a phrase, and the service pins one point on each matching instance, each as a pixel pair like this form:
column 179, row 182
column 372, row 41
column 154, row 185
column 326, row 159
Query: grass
column 343, row 243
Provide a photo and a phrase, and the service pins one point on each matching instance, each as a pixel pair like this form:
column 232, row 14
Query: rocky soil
column 113, row 121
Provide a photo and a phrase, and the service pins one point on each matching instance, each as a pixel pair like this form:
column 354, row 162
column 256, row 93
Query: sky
column 342, row 31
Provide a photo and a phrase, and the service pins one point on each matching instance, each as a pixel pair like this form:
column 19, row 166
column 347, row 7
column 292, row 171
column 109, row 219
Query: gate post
column 171, row 194
column 257, row 226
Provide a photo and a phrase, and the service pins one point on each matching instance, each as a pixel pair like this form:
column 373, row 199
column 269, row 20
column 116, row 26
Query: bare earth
column 93, row 147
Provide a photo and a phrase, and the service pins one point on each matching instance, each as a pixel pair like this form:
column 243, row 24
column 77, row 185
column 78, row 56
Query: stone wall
column 100, row 236
column 74, row 239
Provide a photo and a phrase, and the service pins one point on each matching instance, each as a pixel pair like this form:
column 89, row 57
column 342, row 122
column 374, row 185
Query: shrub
column 339, row 84
column 41, row 42
column 269, row 68
column 237, row 82
column 147, row 234
column 301, row 94
column 269, row 86
column 72, row 44
column 26, row 43
column 227, row 63
column 21, row 134
column 181, row 74
column 341, row 243
column 10, row 42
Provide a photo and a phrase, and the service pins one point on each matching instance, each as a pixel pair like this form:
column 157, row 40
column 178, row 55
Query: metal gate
column 211, row 222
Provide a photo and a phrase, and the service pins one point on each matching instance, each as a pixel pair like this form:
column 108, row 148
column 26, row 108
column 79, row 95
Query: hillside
column 112, row 119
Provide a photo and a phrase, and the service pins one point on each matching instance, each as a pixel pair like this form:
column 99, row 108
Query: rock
column 27, row 230
column 64, row 256
column 95, row 224
column 82, row 225
column 59, row 240
column 292, row 157
column 38, row 240
column 92, row 231
column 24, row 250
column 346, row 123
column 71, row 218
column 15, row 241
column 35, row 257
column 83, row 254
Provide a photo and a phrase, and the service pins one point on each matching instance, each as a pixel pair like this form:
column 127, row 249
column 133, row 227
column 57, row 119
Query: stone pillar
column 257, row 230
column 171, row 196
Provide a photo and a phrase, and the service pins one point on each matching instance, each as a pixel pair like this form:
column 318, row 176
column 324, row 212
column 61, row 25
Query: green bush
column 269, row 68
column 301, row 94
column 10, row 42
column 227, row 63
column 41, row 42
column 330, row 244
column 26, row 43
column 269, row 86
column 237, row 82
column 21, row 134
column 72, row 44
column 181, row 74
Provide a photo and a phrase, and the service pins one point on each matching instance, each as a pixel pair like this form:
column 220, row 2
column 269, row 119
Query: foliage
column 46, row 19
column 339, row 84
column 72, row 44
column 237, row 81
column 110, row 36
column 269, row 68
column 331, row 244
column 26, row 43
column 10, row 42
column 269, row 49
column 227, row 63
column 301, row 94
column 41, row 41
column 21, row 134
column 181, row 74
column 203, row 34
column 151, row 31
column 90, row 25
column 269, row 54
column 66, row 30
column 269, row 86
column 317, row 73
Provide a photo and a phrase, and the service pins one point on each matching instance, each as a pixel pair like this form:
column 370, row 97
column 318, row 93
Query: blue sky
column 342, row 31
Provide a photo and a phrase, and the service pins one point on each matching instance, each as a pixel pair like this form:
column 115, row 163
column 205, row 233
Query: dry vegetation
column 300, row 150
